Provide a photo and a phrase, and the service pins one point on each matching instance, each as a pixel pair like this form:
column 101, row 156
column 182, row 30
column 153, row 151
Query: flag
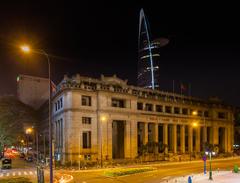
column 182, row 87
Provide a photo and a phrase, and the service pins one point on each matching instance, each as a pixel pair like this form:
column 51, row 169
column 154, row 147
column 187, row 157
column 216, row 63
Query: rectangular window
column 168, row 109
column 55, row 106
column 86, row 120
column 159, row 108
column 199, row 113
column 61, row 132
column 149, row 107
column 118, row 103
column 86, row 139
column 61, row 102
column 86, row 100
column 221, row 115
column 185, row 111
column 206, row 114
column 58, row 104
column 140, row 106
column 176, row 110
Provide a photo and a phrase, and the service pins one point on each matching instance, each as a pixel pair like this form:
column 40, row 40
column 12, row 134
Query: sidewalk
column 218, row 177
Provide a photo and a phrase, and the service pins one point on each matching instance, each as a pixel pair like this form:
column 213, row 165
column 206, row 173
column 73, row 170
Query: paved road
column 20, row 168
column 162, row 172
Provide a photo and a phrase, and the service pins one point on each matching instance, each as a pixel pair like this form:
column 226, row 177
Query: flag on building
column 183, row 88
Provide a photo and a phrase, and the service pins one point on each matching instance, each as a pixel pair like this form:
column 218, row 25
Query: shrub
column 235, row 169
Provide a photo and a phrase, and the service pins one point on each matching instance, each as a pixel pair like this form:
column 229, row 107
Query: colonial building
column 108, row 119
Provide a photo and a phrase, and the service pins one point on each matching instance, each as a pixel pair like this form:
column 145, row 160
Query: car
column 29, row 158
column 6, row 163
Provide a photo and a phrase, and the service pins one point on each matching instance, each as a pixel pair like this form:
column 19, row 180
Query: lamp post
column 28, row 132
column 26, row 49
column 210, row 153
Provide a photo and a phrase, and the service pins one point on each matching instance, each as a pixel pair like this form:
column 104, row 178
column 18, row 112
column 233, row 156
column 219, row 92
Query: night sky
column 93, row 38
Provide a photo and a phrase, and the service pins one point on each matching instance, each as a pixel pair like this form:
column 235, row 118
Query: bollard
column 189, row 179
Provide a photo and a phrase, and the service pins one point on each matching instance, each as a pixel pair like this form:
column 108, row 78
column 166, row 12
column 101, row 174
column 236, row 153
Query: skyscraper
column 148, row 55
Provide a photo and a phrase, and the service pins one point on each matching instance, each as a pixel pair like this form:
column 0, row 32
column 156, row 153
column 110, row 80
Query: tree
column 14, row 118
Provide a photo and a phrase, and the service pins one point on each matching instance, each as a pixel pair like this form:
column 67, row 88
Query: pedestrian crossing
column 17, row 173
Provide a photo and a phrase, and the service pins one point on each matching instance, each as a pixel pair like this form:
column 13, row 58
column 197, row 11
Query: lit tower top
column 148, row 55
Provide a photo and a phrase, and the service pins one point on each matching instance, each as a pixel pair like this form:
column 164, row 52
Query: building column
column 127, row 140
column 133, row 139
column 198, row 129
column 165, row 136
column 215, row 135
column 109, row 139
column 145, row 134
column 104, row 143
column 155, row 132
column 182, row 138
column 229, row 140
column 205, row 134
column 210, row 135
column 190, row 139
column 225, row 140
column 174, row 137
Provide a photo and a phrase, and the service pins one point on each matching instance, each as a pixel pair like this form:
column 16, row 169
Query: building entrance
column 118, row 128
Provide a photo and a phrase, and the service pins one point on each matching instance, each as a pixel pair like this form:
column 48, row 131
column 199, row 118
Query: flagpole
column 181, row 87
column 173, row 86
column 189, row 90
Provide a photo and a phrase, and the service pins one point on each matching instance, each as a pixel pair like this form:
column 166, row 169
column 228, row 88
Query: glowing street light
column 194, row 113
column 195, row 124
column 25, row 48
column 29, row 130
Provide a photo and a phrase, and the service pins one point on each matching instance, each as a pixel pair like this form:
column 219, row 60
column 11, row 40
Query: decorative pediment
column 114, row 80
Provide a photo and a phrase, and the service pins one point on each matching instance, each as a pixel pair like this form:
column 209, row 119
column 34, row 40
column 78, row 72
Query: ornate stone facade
column 108, row 119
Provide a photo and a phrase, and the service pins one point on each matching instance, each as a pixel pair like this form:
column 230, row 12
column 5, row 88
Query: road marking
column 14, row 173
column 25, row 173
column 30, row 173
column 35, row 172
column 7, row 174
column 19, row 173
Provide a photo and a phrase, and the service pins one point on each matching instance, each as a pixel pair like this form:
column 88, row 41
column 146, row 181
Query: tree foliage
column 15, row 117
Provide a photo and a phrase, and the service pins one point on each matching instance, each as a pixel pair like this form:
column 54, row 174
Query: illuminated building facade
column 105, row 119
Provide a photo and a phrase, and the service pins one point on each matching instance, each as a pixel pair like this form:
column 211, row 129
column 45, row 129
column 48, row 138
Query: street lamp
column 210, row 153
column 26, row 49
column 102, row 120
column 28, row 132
